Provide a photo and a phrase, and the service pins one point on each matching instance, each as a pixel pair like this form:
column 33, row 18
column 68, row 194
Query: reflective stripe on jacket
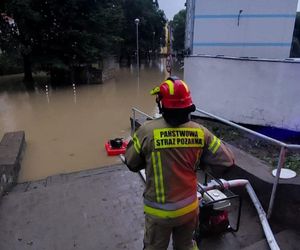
column 170, row 156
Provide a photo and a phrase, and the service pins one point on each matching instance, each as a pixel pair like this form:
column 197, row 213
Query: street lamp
column 137, row 21
column 153, row 33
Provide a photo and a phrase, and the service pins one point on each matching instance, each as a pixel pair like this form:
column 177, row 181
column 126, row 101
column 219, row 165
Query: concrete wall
column 258, row 92
column 110, row 66
column 11, row 148
column 256, row 28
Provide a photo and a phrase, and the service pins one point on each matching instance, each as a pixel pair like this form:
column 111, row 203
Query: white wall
column 256, row 92
column 242, row 28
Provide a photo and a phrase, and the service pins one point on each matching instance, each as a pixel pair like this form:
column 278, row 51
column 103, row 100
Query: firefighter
column 169, row 149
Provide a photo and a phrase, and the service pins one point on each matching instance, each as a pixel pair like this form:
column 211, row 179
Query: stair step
column 287, row 240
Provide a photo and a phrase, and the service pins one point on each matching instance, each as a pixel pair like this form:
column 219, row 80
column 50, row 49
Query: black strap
column 173, row 78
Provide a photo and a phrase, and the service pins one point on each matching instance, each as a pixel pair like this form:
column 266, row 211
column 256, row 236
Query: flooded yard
column 66, row 128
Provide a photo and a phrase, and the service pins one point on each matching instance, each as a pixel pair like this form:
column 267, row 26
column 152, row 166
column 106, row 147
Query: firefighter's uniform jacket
column 170, row 156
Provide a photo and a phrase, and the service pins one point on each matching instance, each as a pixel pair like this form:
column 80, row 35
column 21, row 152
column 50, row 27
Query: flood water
column 66, row 128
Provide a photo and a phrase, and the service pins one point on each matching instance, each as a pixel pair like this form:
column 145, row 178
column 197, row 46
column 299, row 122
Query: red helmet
column 173, row 94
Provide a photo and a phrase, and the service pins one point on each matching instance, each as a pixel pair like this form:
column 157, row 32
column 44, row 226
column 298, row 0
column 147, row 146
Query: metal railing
column 134, row 111
column 282, row 154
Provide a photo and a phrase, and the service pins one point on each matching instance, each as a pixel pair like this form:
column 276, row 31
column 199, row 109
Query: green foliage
column 178, row 26
column 293, row 162
column 151, row 26
column 295, row 51
column 9, row 56
column 68, row 33
column 8, row 34
column 10, row 64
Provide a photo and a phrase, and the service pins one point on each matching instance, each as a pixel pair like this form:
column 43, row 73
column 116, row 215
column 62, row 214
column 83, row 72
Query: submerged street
column 66, row 128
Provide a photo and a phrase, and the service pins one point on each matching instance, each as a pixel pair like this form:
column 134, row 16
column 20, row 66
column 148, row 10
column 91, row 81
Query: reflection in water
column 47, row 94
column 65, row 133
column 74, row 93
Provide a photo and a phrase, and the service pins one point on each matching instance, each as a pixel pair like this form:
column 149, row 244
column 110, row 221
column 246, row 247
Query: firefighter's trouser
column 158, row 232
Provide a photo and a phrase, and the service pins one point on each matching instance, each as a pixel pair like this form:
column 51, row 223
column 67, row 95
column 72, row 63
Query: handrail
column 282, row 154
column 277, row 142
column 227, row 184
column 134, row 111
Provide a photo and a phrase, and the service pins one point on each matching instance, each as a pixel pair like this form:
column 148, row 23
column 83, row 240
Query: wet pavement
column 100, row 209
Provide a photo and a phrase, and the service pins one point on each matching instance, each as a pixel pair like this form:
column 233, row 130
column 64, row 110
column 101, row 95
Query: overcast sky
column 172, row 7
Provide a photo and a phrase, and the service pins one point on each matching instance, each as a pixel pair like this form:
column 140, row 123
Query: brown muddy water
column 66, row 128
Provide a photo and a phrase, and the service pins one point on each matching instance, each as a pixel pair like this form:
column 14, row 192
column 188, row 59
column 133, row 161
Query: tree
column 295, row 50
column 9, row 56
column 178, row 25
column 151, row 27
column 65, row 33
column 68, row 34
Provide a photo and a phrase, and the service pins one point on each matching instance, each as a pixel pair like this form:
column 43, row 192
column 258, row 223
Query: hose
column 238, row 183
column 263, row 218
